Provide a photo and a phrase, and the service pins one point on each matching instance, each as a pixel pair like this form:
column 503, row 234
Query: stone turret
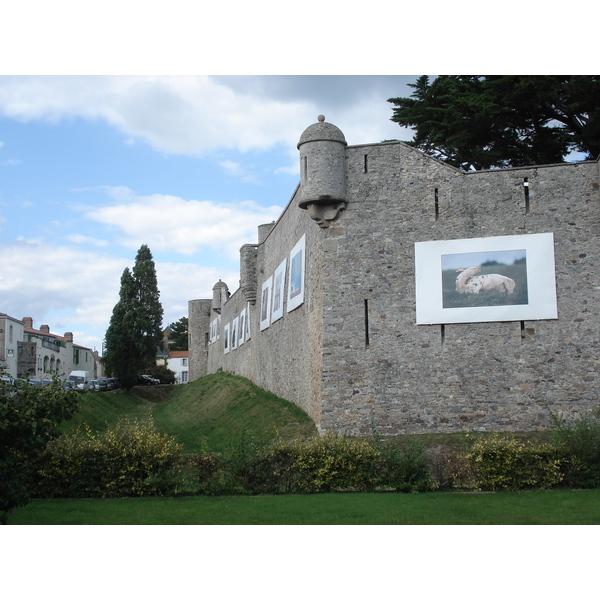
column 220, row 295
column 322, row 149
column 248, row 280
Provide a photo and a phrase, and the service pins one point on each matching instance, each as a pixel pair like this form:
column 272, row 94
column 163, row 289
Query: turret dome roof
column 322, row 131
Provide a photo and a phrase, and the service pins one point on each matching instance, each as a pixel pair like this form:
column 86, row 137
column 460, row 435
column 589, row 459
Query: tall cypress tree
column 150, row 310
column 135, row 328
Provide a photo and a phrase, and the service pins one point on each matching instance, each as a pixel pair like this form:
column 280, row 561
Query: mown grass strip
column 556, row 507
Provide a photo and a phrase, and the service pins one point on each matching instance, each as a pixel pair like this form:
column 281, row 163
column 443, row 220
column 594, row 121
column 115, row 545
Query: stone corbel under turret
column 325, row 214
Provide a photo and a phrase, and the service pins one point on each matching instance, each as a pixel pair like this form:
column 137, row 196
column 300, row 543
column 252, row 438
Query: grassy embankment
column 207, row 414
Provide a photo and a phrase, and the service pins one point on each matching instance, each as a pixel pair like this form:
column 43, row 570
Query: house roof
column 179, row 354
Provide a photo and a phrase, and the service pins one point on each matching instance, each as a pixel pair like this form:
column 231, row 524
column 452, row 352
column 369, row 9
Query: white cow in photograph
column 470, row 283
column 465, row 275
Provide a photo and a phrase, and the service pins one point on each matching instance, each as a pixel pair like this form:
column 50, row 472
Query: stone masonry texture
column 352, row 355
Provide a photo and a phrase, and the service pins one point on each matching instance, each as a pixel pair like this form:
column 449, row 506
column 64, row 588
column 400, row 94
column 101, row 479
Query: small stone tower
column 220, row 295
column 322, row 149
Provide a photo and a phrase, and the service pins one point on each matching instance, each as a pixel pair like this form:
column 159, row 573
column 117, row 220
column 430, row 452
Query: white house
column 178, row 363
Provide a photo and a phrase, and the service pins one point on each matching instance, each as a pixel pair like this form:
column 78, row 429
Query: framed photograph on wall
column 226, row 338
column 265, row 303
column 247, row 333
column 278, row 290
column 235, row 325
column 296, row 275
column 505, row 278
column 242, row 329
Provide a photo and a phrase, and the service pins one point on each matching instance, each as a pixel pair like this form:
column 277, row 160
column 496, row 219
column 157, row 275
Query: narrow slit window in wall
column 305, row 166
column 366, row 323
column 366, row 163
column 526, row 191
column 437, row 204
column 522, row 331
column 442, row 335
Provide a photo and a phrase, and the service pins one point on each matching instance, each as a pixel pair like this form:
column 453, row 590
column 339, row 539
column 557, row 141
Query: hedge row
column 132, row 459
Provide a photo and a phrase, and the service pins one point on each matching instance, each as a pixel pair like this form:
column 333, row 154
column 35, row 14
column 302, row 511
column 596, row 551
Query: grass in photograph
column 454, row 299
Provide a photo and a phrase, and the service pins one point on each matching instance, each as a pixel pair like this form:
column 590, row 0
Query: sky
column 92, row 167
column 130, row 123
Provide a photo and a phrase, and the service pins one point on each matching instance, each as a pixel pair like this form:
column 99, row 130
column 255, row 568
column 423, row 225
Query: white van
column 80, row 380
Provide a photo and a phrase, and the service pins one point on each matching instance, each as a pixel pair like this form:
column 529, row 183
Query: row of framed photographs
column 237, row 332
column 273, row 289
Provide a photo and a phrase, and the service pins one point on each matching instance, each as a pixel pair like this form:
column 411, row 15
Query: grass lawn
column 556, row 507
column 207, row 414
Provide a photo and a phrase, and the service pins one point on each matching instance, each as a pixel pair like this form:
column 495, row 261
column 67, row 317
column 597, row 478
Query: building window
column 184, row 362
column 184, row 377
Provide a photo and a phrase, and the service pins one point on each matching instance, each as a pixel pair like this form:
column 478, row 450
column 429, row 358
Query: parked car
column 102, row 384
column 146, row 380
column 39, row 382
column 94, row 386
column 7, row 385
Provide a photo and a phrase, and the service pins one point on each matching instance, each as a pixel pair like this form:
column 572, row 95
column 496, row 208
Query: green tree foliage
column 29, row 417
column 134, row 331
column 178, row 340
column 481, row 122
column 161, row 372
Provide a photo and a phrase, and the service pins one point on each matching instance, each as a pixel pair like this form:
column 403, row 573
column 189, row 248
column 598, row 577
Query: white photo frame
column 296, row 275
column 235, row 325
column 242, row 329
column 265, row 303
column 525, row 287
column 226, row 336
column 278, row 290
column 247, row 333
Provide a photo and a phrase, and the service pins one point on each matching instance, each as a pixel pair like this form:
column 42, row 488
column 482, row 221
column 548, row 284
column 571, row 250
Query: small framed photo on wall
column 296, row 275
column 265, row 304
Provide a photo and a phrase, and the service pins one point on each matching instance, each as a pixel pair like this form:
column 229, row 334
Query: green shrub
column 404, row 467
column 580, row 445
column 332, row 463
column 503, row 463
column 129, row 459
column 29, row 419
column 192, row 475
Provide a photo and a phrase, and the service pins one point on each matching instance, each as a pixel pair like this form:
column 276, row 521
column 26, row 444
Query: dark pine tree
column 482, row 122
column 178, row 339
column 135, row 330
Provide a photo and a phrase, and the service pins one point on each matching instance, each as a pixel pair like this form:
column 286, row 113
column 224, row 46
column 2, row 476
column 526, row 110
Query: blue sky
column 92, row 167
column 96, row 161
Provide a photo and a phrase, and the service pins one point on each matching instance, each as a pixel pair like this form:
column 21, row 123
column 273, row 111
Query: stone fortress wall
column 351, row 354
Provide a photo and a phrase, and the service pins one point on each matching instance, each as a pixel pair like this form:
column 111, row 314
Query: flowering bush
column 128, row 459
column 503, row 463
column 336, row 463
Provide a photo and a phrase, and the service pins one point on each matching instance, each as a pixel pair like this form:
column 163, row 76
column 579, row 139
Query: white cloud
column 195, row 115
column 74, row 290
column 234, row 169
column 169, row 223
column 40, row 279
column 77, row 238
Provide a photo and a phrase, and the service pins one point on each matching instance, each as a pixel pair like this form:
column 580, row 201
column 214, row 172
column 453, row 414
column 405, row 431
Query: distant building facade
column 365, row 303
column 40, row 354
